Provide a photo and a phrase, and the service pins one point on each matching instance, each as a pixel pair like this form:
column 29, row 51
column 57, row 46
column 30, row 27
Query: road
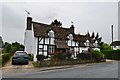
column 97, row 70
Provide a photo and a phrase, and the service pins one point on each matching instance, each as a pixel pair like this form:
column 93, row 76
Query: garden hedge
column 5, row 58
column 112, row 54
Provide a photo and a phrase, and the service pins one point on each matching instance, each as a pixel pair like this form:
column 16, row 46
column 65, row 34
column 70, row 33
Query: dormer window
column 70, row 36
column 51, row 34
column 87, row 43
column 96, row 44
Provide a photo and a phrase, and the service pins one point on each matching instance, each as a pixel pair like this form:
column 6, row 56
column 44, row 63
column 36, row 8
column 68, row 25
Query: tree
column 16, row 47
column 105, row 46
column 97, row 36
column 99, row 40
column 88, row 34
column 56, row 23
column 11, row 48
column 7, row 47
column 93, row 35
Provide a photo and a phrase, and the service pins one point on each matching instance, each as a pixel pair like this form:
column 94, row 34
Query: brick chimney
column 72, row 29
column 29, row 23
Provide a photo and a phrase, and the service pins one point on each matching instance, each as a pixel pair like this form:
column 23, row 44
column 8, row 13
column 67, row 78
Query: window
column 51, row 48
column 70, row 36
column 96, row 44
column 114, row 46
column 51, row 34
column 87, row 43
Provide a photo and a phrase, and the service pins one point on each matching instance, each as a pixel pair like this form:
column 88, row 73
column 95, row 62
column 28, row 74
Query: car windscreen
column 21, row 53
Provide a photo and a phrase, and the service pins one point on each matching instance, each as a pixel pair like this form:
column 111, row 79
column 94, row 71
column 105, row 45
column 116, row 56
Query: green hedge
column 116, row 54
column 108, row 53
column 112, row 54
column 5, row 58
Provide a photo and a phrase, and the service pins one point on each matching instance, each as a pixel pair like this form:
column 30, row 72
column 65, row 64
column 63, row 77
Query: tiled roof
column 80, row 38
column 41, row 30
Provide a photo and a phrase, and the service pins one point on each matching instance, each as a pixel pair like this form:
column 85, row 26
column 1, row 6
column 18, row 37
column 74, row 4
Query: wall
column 83, row 49
column 28, row 41
column 34, row 45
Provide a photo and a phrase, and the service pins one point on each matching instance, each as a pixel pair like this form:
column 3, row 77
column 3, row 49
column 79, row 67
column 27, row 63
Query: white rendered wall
column 28, row 41
column 34, row 45
column 46, row 40
column 31, row 43
column 83, row 49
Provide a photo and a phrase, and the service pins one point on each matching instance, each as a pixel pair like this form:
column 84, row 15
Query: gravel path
column 9, row 68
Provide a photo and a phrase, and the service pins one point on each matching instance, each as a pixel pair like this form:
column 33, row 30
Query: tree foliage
column 105, row 46
column 93, row 35
column 56, row 23
column 88, row 34
column 11, row 48
column 7, row 47
column 97, row 36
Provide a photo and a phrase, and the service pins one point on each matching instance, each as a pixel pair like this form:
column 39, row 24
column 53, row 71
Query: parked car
column 20, row 57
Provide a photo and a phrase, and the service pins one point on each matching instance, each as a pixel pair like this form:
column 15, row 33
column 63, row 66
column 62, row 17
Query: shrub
column 97, row 55
column 59, row 56
column 107, row 53
column 5, row 58
column 30, row 57
column 84, row 56
column 41, row 57
column 116, row 54
column 68, row 55
column 112, row 54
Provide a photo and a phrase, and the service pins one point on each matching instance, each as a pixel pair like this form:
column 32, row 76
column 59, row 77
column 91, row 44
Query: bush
column 5, row 58
column 112, row 54
column 116, row 54
column 59, row 56
column 30, row 57
column 84, row 56
column 107, row 53
column 41, row 57
column 98, row 56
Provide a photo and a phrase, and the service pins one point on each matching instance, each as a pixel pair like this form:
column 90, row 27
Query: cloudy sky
column 86, row 16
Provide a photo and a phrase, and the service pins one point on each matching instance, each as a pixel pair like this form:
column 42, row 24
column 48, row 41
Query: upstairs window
column 96, row 44
column 87, row 43
column 51, row 34
column 70, row 37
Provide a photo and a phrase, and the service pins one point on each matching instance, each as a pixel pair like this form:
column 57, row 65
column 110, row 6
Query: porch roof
column 61, row 44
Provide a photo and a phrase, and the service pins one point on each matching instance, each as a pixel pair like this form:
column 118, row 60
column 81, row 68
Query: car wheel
column 27, row 62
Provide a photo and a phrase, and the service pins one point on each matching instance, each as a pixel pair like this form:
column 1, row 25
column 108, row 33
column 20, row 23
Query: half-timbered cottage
column 47, row 39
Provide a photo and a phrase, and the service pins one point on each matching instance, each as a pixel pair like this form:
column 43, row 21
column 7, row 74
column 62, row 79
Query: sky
column 87, row 16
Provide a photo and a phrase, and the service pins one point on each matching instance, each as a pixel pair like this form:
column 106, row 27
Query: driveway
column 13, row 69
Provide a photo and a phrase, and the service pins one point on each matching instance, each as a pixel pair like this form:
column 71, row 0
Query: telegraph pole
column 112, row 32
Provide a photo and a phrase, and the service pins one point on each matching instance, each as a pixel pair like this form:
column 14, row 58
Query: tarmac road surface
column 97, row 70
